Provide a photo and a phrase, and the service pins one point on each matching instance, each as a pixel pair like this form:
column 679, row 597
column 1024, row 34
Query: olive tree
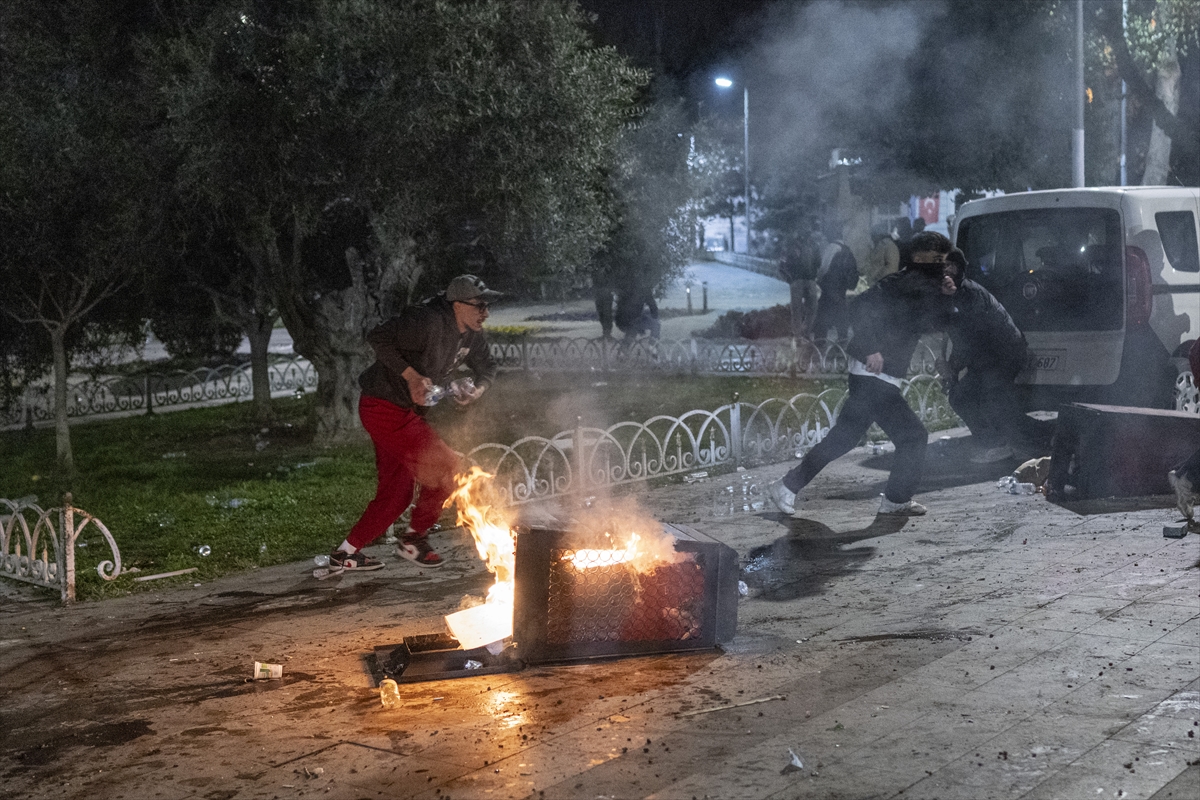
column 77, row 202
column 341, row 138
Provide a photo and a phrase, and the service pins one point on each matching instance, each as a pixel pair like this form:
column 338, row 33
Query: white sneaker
column 783, row 497
column 992, row 455
column 910, row 509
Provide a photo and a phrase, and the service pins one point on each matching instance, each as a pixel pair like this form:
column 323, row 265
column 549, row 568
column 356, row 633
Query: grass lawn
column 169, row 483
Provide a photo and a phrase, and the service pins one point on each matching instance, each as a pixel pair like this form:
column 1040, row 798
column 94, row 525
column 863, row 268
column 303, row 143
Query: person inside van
column 987, row 350
column 888, row 320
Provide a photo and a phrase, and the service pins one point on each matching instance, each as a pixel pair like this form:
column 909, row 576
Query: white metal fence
column 38, row 545
column 146, row 393
column 584, row 460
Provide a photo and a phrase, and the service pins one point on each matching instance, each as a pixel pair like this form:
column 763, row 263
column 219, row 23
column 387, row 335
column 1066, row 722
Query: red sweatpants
column 407, row 451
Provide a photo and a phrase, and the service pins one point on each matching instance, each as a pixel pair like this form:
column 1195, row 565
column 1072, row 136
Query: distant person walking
column 884, row 258
column 987, row 350
column 799, row 267
column 888, row 321
column 837, row 276
column 637, row 313
column 605, row 294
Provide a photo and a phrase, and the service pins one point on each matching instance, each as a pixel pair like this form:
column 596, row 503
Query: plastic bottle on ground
column 389, row 693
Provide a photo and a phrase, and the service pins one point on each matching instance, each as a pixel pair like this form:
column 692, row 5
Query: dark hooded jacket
column 426, row 338
column 890, row 317
column 982, row 333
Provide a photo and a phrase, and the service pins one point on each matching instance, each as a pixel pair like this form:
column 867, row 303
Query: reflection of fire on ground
column 630, row 567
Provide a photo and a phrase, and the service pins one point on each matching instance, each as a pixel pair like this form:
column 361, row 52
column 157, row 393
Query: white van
column 1104, row 282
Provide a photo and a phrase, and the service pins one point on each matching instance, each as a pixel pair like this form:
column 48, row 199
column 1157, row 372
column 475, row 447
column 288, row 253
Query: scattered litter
column 1034, row 471
column 174, row 455
column 321, row 560
column 389, row 693
column 236, row 502
column 618, row 718
column 692, row 477
column 1011, row 485
column 734, row 705
column 313, row 773
column 262, row 548
column 164, row 574
column 326, row 572
column 743, row 589
column 204, row 550
column 795, row 765
column 264, row 671
column 472, row 664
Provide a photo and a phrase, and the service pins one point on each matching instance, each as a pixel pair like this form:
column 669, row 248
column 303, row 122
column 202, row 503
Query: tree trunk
column 260, row 338
column 330, row 330
column 62, row 432
column 1158, row 154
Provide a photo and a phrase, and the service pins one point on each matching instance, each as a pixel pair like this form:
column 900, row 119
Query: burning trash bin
column 610, row 587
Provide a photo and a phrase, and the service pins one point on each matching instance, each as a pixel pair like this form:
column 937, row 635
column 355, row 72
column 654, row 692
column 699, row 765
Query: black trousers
column 871, row 400
column 987, row 401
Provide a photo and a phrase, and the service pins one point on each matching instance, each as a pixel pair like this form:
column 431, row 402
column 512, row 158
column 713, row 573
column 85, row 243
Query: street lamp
column 726, row 83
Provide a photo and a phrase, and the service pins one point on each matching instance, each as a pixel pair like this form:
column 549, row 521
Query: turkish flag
column 929, row 209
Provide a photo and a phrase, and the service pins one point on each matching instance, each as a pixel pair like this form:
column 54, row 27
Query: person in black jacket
column 415, row 351
column 799, row 268
column 987, row 352
column 838, row 275
column 888, row 321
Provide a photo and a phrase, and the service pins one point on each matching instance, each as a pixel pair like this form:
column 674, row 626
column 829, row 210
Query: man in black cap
column 416, row 354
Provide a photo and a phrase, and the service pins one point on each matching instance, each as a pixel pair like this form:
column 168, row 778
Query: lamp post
column 726, row 83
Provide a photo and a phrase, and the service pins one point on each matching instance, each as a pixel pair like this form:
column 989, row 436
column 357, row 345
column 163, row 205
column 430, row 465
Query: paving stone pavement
column 1000, row 647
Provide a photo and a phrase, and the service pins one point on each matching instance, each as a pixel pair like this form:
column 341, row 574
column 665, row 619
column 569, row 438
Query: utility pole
column 1124, row 90
column 1077, row 149
column 746, row 155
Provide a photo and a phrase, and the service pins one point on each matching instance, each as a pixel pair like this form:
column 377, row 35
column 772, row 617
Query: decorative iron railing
column 584, row 460
column 697, row 356
column 38, row 545
column 232, row 383
column 122, row 395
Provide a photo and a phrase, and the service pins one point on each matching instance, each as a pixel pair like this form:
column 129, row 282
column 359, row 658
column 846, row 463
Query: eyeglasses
column 482, row 306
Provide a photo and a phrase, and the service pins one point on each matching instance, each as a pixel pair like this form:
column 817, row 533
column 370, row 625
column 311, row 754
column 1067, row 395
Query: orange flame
column 480, row 512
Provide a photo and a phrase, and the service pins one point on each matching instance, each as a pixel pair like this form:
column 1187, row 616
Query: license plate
column 1045, row 362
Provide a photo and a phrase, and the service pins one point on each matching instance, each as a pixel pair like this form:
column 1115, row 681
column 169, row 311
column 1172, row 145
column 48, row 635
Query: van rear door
column 1060, row 273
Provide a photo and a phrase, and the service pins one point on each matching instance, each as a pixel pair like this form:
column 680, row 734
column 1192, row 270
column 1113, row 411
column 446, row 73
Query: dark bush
column 766, row 323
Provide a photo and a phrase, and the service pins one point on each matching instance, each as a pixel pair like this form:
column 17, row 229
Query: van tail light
column 1139, row 299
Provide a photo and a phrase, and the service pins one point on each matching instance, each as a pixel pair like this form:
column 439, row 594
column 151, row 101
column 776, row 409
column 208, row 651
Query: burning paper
column 479, row 511
column 483, row 624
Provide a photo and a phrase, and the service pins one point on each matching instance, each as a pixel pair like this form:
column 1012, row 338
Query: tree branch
column 1182, row 135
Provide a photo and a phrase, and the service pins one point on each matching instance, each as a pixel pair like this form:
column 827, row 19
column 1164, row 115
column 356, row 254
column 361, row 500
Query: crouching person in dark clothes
column 888, row 320
column 416, row 351
column 987, row 352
